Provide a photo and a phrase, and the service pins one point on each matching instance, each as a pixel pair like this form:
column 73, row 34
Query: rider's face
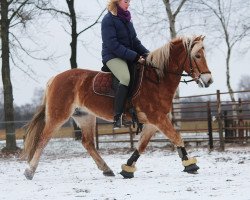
column 124, row 4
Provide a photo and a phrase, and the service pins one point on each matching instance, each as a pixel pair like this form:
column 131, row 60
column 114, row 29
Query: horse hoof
column 28, row 174
column 109, row 173
column 191, row 169
column 127, row 175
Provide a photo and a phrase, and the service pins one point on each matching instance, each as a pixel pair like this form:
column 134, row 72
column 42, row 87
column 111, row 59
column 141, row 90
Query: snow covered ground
column 66, row 172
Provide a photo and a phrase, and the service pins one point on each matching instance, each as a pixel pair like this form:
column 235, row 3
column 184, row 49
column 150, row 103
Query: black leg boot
column 120, row 99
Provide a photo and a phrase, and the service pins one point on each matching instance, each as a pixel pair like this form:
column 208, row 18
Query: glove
column 145, row 55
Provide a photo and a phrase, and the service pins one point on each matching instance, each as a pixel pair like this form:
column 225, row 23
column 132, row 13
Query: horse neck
column 171, row 79
column 168, row 86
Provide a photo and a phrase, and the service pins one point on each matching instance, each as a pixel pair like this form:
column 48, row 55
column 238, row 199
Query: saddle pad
column 102, row 84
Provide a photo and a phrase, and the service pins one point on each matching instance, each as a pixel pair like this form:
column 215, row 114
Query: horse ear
column 202, row 37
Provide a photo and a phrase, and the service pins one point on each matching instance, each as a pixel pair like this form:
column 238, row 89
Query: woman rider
column 120, row 48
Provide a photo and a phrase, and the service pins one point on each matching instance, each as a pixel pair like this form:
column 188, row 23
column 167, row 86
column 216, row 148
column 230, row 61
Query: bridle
column 190, row 74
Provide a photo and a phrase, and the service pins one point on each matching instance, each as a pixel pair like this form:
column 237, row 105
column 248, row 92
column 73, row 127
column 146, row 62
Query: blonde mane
column 159, row 58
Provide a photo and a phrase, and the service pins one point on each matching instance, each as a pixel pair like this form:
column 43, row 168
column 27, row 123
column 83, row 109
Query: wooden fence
column 211, row 119
column 207, row 121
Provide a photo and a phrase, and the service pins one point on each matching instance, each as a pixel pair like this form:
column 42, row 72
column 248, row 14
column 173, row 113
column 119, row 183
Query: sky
column 51, row 34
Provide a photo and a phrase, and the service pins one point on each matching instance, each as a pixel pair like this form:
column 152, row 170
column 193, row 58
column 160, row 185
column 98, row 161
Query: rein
column 181, row 74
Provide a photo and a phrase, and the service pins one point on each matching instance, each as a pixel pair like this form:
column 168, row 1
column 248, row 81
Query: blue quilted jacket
column 120, row 40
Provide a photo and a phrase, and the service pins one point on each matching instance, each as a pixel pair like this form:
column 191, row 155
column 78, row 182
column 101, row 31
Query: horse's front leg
column 164, row 124
column 87, row 125
column 129, row 168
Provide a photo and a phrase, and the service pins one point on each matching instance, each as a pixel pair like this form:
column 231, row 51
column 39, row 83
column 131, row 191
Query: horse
column 72, row 89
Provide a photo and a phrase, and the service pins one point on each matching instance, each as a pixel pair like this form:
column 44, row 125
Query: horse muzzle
column 205, row 80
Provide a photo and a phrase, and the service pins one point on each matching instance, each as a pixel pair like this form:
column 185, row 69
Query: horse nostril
column 210, row 81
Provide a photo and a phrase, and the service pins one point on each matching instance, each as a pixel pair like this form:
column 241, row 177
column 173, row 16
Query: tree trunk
column 176, row 116
column 7, row 86
column 171, row 19
column 74, row 34
column 230, row 90
column 73, row 58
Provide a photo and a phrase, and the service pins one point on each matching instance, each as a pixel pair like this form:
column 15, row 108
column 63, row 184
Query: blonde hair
column 112, row 6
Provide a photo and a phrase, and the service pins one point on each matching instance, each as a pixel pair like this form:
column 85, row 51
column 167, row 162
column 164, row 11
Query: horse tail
column 34, row 129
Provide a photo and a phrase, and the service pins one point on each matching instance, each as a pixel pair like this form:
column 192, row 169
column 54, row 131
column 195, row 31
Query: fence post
column 209, row 125
column 219, row 119
column 226, row 125
column 96, row 135
column 247, row 130
column 240, row 122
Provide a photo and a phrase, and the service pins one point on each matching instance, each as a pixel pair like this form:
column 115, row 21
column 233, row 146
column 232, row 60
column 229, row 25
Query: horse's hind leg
column 42, row 142
column 129, row 168
column 87, row 124
column 30, row 171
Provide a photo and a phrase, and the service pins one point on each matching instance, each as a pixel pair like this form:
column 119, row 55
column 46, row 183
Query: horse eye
column 198, row 56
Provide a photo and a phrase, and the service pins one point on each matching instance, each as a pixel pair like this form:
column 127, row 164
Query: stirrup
column 125, row 121
column 117, row 123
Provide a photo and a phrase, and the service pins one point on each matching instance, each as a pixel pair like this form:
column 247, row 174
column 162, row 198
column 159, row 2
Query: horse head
column 182, row 54
column 195, row 64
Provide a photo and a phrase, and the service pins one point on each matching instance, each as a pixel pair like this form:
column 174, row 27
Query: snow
column 66, row 172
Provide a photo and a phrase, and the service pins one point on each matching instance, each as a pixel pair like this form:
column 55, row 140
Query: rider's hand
column 141, row 60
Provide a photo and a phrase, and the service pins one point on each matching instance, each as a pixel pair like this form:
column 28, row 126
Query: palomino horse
column 73, row 89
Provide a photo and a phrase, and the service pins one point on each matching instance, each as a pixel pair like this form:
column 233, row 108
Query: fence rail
column 210, row 121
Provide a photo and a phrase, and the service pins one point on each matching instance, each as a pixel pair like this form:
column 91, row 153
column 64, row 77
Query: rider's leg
column 120, row 70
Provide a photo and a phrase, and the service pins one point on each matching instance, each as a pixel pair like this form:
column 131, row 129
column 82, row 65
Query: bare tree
column 229, row 21
column 15, row 15
column 163, row 15
column 165, row 19
column 1, row 95
column 172, row 14
column 1, row 108
column 71, row 17
column 7, row 86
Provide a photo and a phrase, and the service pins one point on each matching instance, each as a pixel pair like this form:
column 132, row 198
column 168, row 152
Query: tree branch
column 92, row 23
column 179, row 8
column 24, row 63
column 17, row 10
column 28, row 52
column 54, row 10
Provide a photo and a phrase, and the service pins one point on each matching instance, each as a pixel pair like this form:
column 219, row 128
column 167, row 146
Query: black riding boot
column 120, row 99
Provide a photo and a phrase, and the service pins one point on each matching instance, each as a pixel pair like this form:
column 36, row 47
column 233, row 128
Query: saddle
column 105, row 82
